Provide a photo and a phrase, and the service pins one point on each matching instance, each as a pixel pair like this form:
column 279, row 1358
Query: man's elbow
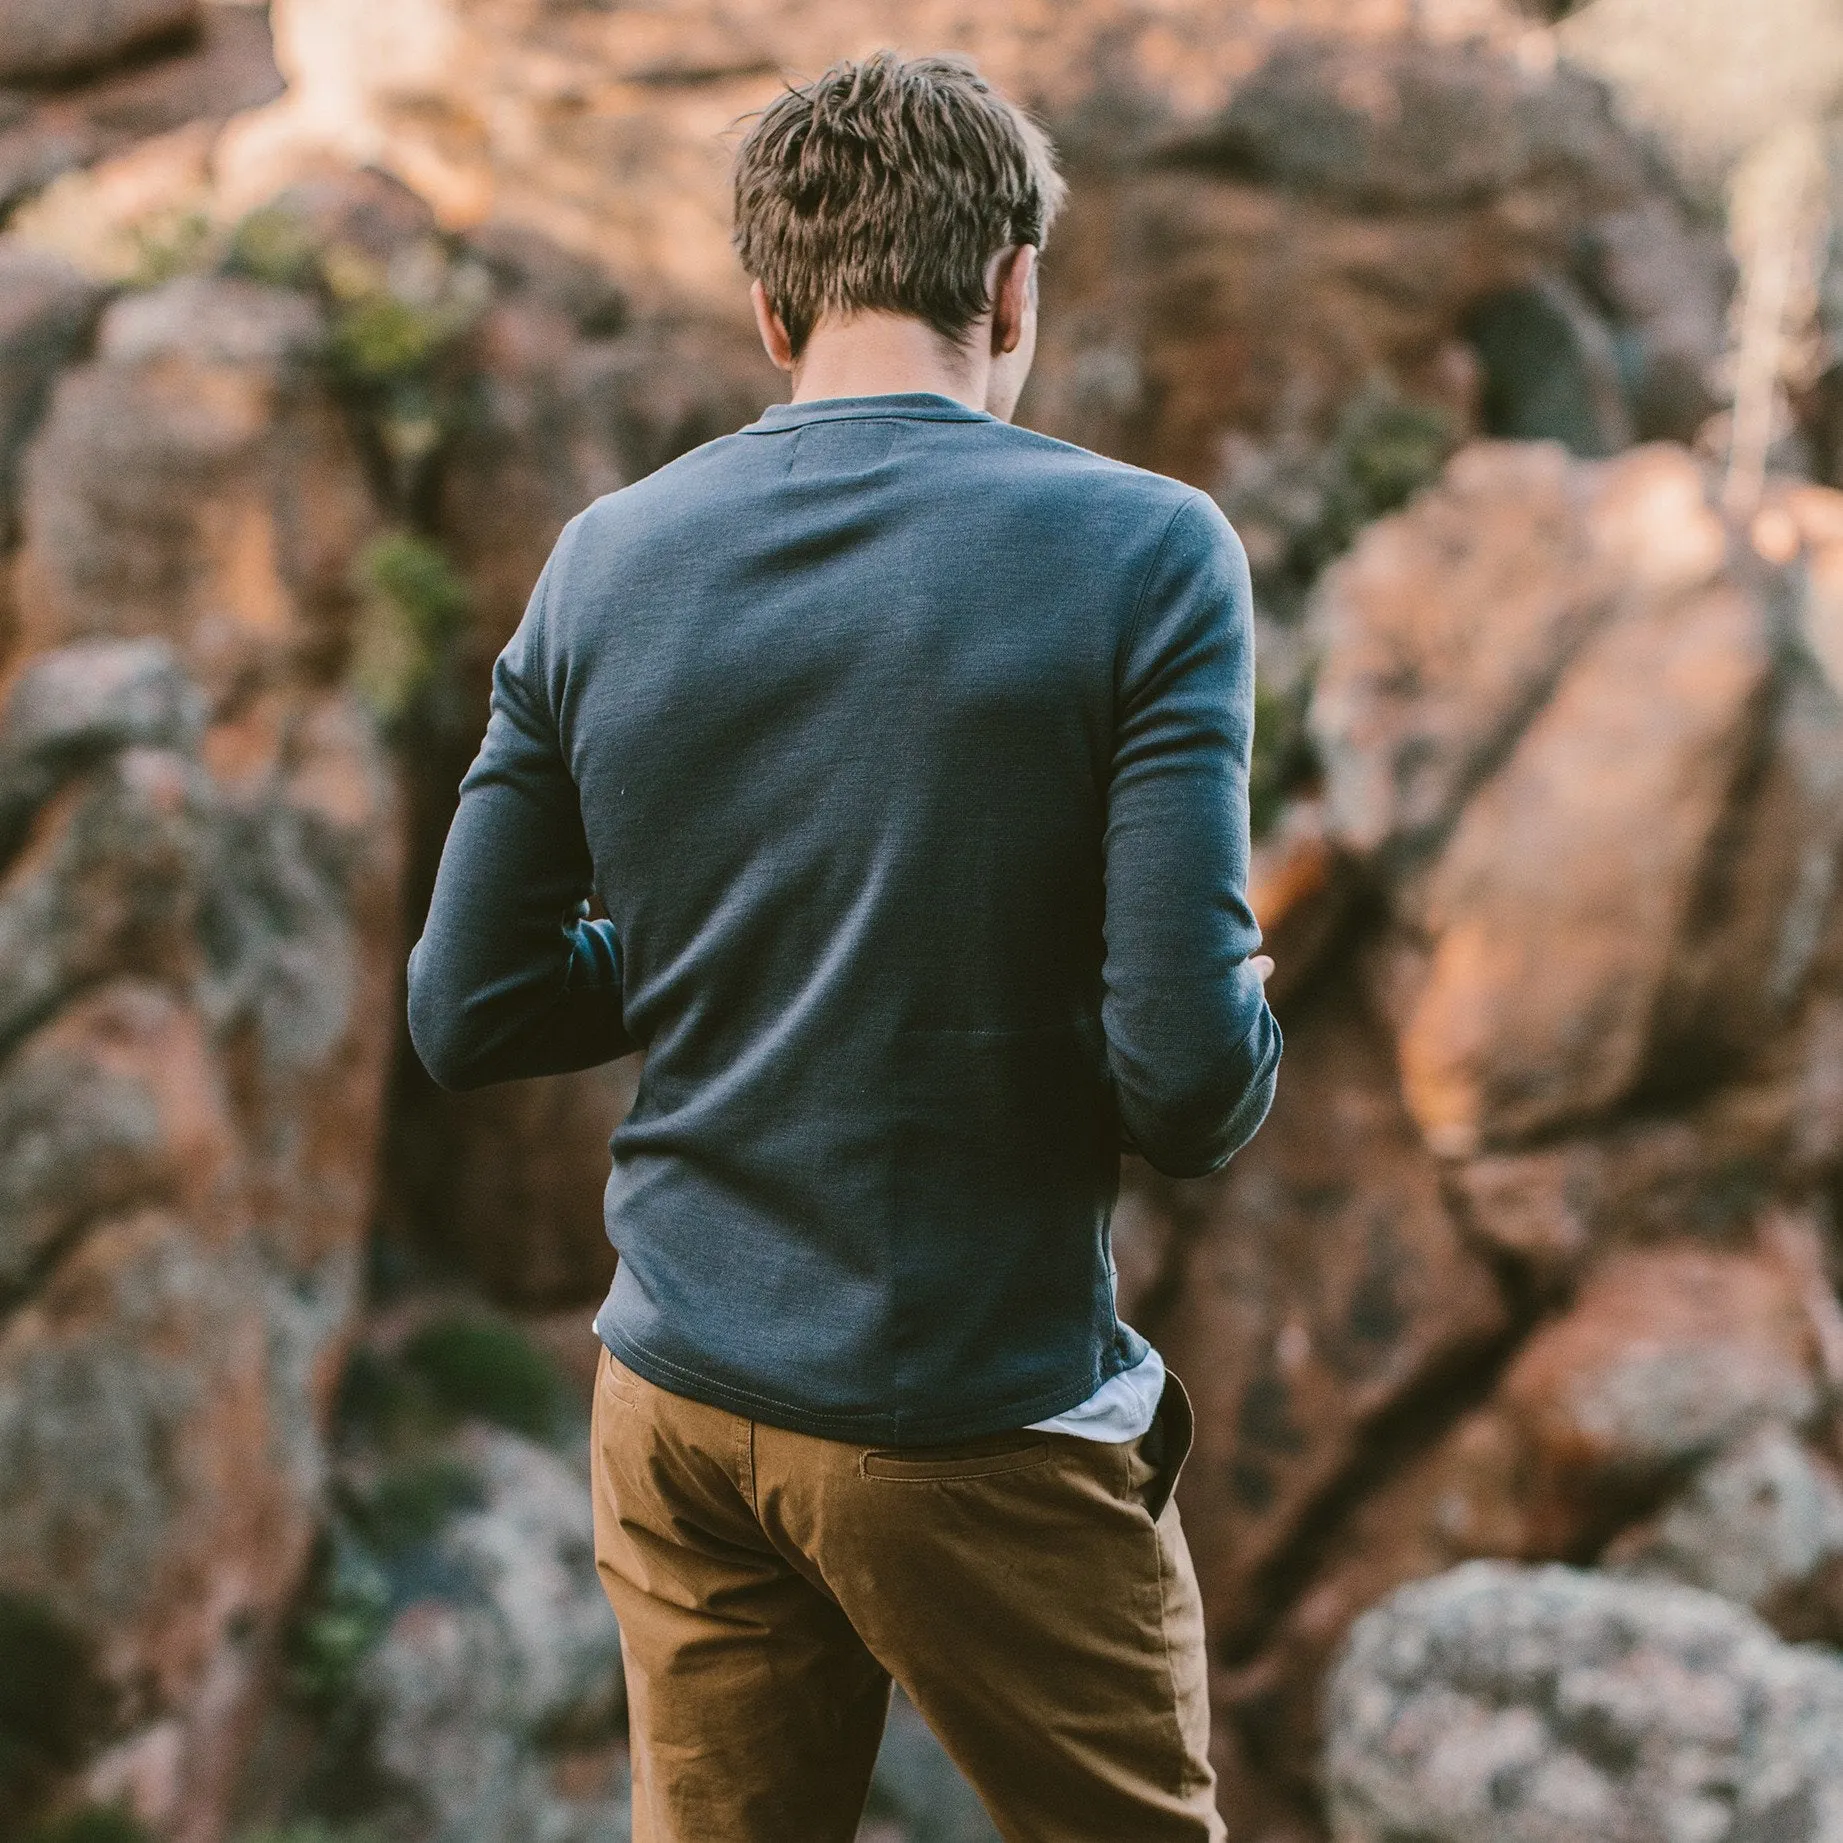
column 436, row 1030
column 1199, row 1116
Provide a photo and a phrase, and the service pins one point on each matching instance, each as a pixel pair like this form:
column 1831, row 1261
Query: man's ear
column 768, row 323
column 1011, row 296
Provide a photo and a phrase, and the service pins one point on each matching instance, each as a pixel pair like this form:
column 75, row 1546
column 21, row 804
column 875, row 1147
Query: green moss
column 54, row 1704
column 411, row 1503
column 94, row 1824
column 344, row 1613
column 479, row 1368
column 1385, row 449
column 170, row 245
column 274, row 245
column 1392, row 447
column 413, row 604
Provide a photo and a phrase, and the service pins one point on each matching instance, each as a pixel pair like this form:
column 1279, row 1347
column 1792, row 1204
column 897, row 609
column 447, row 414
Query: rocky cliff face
column 200, row 914
column 1534, row 1263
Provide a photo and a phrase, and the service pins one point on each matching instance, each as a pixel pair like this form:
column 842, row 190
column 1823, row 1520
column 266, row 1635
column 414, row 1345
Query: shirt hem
column 858, row 1427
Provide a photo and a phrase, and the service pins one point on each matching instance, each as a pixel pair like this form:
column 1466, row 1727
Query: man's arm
column 1193, row 1046
column 508, row 979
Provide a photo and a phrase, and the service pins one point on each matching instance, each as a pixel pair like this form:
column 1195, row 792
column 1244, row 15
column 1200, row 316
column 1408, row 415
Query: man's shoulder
column 670, row 488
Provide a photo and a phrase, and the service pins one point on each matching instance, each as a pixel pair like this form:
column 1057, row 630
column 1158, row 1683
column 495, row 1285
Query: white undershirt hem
column 1122, row 1408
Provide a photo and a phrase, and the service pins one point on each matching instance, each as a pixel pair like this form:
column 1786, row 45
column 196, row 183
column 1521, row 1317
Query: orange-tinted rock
column 1573, row 875
column 1667, row 1355
column 40, row 38
column 1300, row 888
column 224, row 64
column 1442, row 630
column 151, row 1491
column 115, row 1103
column 1322, row 1287
column 196, row 482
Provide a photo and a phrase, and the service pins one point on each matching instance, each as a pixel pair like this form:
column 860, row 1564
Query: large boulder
column 1505, row 1705
column 1595, row 893
column 197, row 482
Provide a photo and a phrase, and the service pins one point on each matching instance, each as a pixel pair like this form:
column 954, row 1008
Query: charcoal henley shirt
column 906, row 753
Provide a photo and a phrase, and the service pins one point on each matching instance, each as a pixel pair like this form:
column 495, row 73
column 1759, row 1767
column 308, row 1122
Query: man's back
column 905, row 745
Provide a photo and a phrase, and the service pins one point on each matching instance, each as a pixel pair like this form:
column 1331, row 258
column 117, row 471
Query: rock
column 199, row 484
column 1762, row 1525
column 531, row 1162
column 47, row 308
column 1321, row 1290
column 1667, row 1359
column 1551, row 372
column 1572, row 876
column 195, row 1023
column 70, row 708
column 1668, row 1356
column 41, row 38
column 1442, row 632
column 225, row 63
column 148, row 1494
column 1300, row 889
column 1446, row 629
column 474, row 1683
column 917, row 1791
column 107, row 883
column 1493, row 772
column 115, row 1103
column 1404, row 126
column 1506, row 1705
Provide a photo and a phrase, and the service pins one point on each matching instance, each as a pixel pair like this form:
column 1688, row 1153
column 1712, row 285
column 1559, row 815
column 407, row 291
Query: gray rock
column 918, row 1791
column 1498, row 1704
column 47, row 308
column 215, row 319
column 72, row 707
column 1551, row 372
column 1410, row 125
column 113, row 1104
column 41, row 38
column 1757, row 1524
column 517, row 1646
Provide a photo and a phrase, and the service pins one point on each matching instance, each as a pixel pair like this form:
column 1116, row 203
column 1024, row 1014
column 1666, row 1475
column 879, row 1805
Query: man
column 907, row 754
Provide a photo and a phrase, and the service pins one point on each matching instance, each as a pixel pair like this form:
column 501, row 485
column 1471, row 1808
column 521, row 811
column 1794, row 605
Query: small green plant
column 1282, row 753
column 480, row 1368
column 412, row 604
column 93, row 1824
column 1386, row 448
column 395, row 329
column 345, row 1613
column 172, row 244
column 274, row 245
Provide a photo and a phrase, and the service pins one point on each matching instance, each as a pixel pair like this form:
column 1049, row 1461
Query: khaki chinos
column 1031, row 1592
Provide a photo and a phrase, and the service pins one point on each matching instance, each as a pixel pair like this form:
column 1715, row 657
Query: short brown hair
column 889, row 185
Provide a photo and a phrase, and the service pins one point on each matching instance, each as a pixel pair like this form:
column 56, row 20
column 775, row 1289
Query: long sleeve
column 1193, row 1046
column 508, row 979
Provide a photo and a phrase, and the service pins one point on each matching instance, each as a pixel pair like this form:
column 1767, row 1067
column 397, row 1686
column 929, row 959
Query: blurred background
column 1510, row 336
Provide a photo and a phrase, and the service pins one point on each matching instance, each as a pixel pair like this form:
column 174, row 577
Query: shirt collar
column 909, row 405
